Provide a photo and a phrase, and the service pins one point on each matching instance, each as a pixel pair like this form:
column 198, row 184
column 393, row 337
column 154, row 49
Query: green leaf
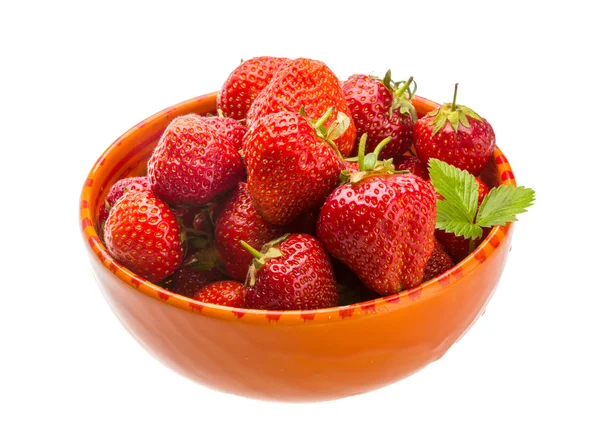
column 434, row 112
column 357, row 176
column 463, row 119
column 502, row 205
column 440, row 121
column 386, row 166
column 449, row 219
column 370, row 161
column 406, row 108
column 458, row 187
column 387, row 78
column 345, row 176
column 338, row 127
column 469, row 112
column 453, row 118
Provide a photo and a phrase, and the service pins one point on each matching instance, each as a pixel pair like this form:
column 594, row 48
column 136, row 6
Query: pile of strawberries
column 305, row 192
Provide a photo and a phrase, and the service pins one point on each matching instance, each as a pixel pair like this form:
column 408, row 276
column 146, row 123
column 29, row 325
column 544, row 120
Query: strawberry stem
column 471, row 245
column 370, row 160
column 400, row 92
column 325, row 116
column 361, row 152
column 380, row 146
column 251, row 249
column 453, row 108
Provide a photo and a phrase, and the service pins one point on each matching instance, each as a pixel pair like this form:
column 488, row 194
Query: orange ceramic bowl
column 293, row 355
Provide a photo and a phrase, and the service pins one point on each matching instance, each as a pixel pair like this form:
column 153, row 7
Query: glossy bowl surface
column 294, row 355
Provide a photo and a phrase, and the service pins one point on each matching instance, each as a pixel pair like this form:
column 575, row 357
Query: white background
column 74, row 77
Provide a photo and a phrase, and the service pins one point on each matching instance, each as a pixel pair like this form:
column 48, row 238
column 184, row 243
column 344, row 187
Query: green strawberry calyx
column 190, row 237
column 335, row 129
column 205, row 259
column 458, row 211
column 401, row 94
column 453, row 113
column 368, row 164
column 268, row 251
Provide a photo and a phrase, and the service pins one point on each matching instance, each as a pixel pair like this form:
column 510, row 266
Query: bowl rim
column 488, row 246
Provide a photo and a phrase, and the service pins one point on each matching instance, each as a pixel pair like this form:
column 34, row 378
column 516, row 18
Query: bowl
column 291, row 356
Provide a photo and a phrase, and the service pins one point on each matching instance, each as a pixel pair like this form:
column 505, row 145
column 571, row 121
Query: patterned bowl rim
column 432, row 287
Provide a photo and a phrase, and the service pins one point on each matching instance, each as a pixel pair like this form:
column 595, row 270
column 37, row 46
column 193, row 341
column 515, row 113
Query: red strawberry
column 192, row 163
column 291, row 273
column 381, row 109
column 202, row 221
column 244, row 84
column 118, row 189
column 238, row 220
column 413, row 165
column 143, row 234
column 227, row 293
column 290, row 168
column 188, row 280
column 455, row 134
column 231, row 129
column 309, row 84
column 351, row 166
column 381, row 225
column 483, row 190
column 305, row 223
column 200, row 267
column 458, row 247
column 350, row 289
column 438, row 263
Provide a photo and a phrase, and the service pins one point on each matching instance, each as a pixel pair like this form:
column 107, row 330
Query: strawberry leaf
column 457, row 212
column 439, row 121
column 453, row 118
column 450, row 219
column 406, row 108
column 458, row 188
column 469, row 112
column 502, row 205
column 387, row 78
column 338, row 127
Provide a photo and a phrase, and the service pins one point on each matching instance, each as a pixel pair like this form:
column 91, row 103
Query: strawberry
column 227, row 293
column 350, row 289
column 143, row 234
column 192, row 163
column 291, row 273
column 438, row 263
column 380, row 224
column 199, row 268
column 195, row 223
column 351, row 166
column 117, row 190
column 305, row 223
column 456, row 135
column 381, row 109
column 188, row 280
column 238, row 220
column 244, row 83
column 231, row 129
column 463, row 215
column 413, row 165
column 308, row 84
column 291, row 165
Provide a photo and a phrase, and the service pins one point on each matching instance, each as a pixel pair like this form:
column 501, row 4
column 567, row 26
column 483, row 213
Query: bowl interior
column 128, row 155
